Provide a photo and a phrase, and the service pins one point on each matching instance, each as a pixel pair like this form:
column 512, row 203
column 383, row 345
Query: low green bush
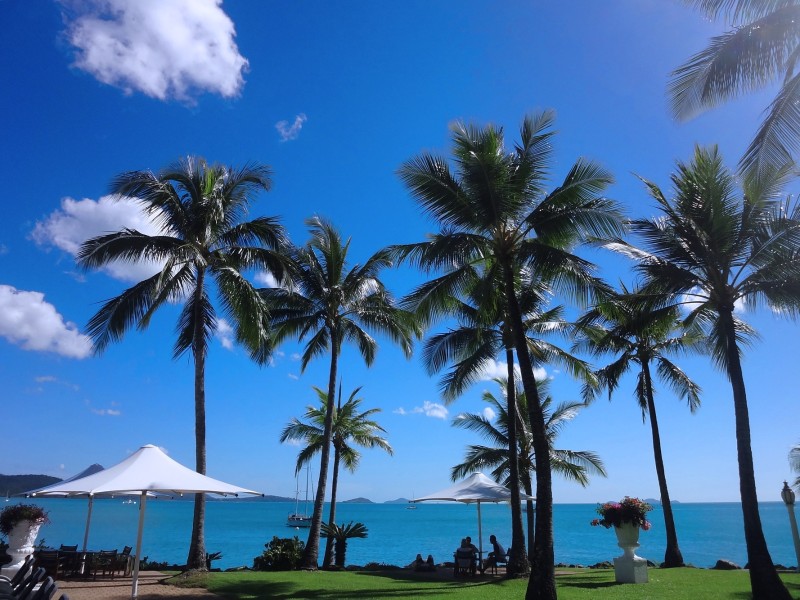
column 280, row 554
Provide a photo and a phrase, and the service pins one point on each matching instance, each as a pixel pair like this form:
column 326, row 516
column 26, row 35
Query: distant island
column 358, row 501
column 398, row 501
column 19, row 484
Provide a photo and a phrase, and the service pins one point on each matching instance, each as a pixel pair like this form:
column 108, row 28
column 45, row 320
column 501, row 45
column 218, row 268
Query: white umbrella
column 146, row 470
column 90, row 470
column 476, row 488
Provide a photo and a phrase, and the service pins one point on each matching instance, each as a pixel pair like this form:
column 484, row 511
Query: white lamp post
column 788, row 497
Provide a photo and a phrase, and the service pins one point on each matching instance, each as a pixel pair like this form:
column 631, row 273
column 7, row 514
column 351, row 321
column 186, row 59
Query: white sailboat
column 298, row 519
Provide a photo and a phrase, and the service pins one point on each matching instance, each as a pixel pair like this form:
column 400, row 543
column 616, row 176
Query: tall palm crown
column 199, row 209
column 329, row 304
column 712, row 250
column 351, row 427
column 575, row 465
column 762, row 48
column 641, row 337
column 494, row 208
column 794, row 463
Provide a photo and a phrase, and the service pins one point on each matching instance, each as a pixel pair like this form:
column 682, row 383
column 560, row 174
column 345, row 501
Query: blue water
column 239, row 530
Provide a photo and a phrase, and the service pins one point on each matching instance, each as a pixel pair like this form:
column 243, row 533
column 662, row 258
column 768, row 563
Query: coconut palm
column 349, row 427
column 483, row 334
column 494, row 208
column 642, row 338
column 712, row 250
column 761, row 49
column 330, row 305
column 575, row 465
column 202, row 241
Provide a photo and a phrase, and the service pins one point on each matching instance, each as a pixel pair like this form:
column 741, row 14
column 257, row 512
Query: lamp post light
column 788, row 498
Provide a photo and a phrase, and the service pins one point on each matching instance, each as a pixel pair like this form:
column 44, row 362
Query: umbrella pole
column 88, row 520
column 135, row 582
column 480, row 537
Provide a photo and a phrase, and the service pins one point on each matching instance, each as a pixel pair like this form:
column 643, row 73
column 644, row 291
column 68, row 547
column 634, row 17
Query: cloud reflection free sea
column 239, row 529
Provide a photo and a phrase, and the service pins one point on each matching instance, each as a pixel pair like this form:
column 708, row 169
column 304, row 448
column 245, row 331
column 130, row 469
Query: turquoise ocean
column 239, row 529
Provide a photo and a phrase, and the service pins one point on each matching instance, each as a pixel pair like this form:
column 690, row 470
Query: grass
column 579, row 584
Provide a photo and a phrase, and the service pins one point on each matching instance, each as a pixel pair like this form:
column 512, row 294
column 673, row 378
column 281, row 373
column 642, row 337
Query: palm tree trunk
column 328, row 561
column 518, row 563
column 672, row 555
column 542, row 583
column 764, row 581
column 197, row 546
column 526, row 481
column 311, row 553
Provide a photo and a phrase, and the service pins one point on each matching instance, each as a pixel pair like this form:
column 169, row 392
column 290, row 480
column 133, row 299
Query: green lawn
column 671, row 584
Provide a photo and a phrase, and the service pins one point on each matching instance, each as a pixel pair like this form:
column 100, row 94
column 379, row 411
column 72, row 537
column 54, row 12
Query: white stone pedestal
column 630, row 570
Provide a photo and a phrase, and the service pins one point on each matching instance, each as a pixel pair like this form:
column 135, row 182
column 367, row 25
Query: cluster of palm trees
column 505, row 248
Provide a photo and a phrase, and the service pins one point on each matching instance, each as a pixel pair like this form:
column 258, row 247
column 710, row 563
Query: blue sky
column 334, row 97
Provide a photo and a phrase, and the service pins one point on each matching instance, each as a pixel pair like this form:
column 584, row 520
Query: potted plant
column 627, row 517
column 21, row 523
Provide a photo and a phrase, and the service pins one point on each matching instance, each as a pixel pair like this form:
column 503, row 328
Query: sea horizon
column 239, row 530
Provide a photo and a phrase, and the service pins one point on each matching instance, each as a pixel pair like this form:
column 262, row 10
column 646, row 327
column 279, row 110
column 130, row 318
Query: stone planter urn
column 629, row 568
column 20, row 544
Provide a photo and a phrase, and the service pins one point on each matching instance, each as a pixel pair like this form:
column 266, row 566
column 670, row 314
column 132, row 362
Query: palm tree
column 199, row 208
column 342, row 533
column 575, row 465
column 483, row 333
column 794, row 463
column 331, row 305
column 642, row 338
column 349, row 426
column 761, row 49
column 493, row 212
column 711, row 251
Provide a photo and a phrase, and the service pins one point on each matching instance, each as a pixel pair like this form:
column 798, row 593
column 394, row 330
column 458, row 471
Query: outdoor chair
column 20, row 575
column 45, row 591
column 64, row 548
column 105, row 561
column 52, row 561
column 499, row 561
column 26, row 589
column 124, row 562
column 463, row 563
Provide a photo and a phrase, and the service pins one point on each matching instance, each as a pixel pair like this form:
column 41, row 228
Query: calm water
column 706, row 532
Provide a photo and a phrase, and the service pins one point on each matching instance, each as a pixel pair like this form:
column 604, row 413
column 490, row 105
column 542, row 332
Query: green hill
column 19, row 484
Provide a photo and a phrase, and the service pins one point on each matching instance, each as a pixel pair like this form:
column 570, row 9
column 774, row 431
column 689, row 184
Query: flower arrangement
column 11, row 515
column 627, row 510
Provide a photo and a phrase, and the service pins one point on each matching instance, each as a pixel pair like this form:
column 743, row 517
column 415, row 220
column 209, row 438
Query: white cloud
column 400, row 411
column 290, row 132
column 295, row 356
column 489, row 414
column 225, row 334
column 498, row 369
column 162, row 48
column 33, row 324
column 293, row 376
column 266, row 279
column 106, row 412
column 45, row 379
column 79, row 220
column 431, row 409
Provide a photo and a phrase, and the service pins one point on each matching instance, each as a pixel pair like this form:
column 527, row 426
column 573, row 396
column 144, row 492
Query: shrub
column 11, row 515
column 281, row 554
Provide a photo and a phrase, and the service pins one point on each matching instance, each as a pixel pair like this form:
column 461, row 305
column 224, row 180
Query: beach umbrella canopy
column 146, row 470
column 476, row 488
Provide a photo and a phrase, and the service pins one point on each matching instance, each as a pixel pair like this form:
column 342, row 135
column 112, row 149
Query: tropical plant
column 16, row 513
column 202, row 240
column 761, row 48
column 640, row 338
column 280, row 554
column 330, row 305
column 711, row 250
column 574, row 465
column 494, row 214
column 340, row 534
column 350, row 428
column 628, row 510
column 794, row 463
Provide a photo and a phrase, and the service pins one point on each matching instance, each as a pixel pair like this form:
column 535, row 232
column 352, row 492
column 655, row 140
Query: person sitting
column 476, row 557
column 465, row 557
column 498, row 554
column 430, row 565
column 417, row 563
